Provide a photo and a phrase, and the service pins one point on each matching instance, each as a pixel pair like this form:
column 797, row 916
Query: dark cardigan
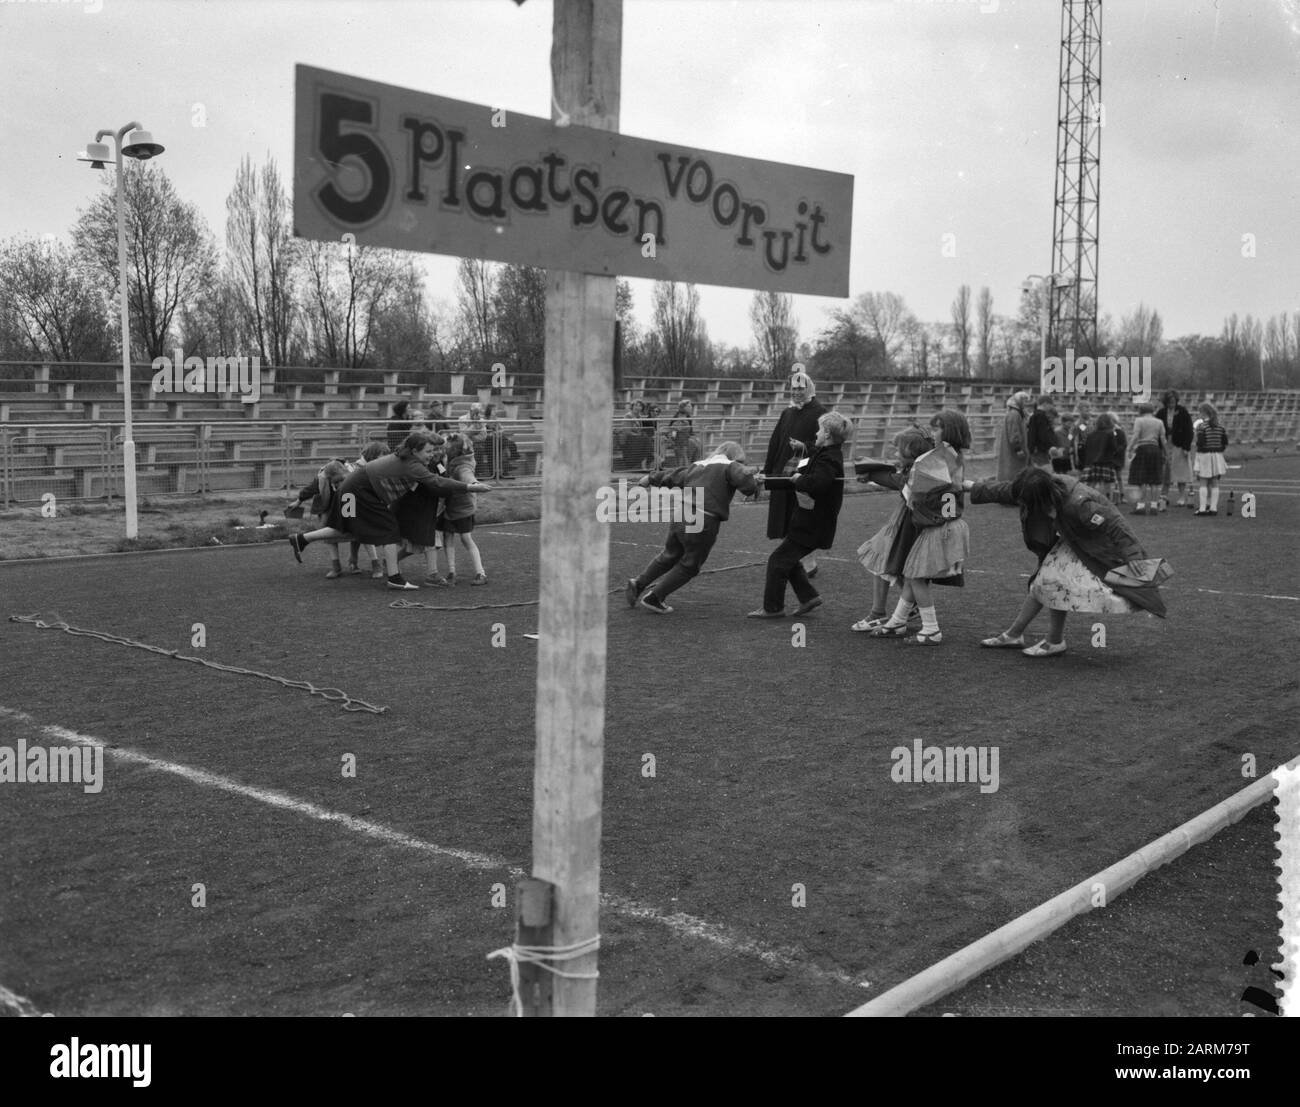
column 823, row 480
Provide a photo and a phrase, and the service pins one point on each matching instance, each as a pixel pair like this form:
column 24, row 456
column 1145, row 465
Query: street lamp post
column 142, row 147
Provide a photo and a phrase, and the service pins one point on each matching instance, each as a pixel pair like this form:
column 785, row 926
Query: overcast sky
column 944, row 111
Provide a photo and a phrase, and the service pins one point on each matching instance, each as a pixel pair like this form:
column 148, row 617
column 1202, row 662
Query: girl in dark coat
column 1079, row 537
column 798, row 423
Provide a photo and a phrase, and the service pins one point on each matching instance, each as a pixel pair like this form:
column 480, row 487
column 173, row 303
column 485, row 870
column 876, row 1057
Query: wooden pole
column 586, row 53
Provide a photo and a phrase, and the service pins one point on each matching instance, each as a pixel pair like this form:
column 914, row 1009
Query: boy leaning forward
column 719, row 476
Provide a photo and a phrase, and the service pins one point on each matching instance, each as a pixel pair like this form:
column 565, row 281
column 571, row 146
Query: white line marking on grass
column 12, row 1001
column 682, row 924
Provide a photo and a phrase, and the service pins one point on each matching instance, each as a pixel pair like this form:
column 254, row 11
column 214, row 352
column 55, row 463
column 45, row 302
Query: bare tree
column 1252, row 343
column 263, row 259
column 844, row 349
column 623, row 312
column 406, row 334
column 52, row 308
column 918, row 345
column 1232, row 347
column 348, row 288
column 1140, row 332
column 519, row 311
column 476, row 284
column 676, row 323
column 776, row 333
column 984, row 331
column 961, row 327
column 214, row 323
column 885, row 317
column 170, row 254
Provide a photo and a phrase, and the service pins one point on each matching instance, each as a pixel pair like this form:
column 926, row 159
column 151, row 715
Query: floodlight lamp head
column 141, row 146
column 97, row 153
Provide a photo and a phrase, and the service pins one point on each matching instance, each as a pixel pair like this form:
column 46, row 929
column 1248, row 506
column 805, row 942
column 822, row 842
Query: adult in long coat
column 1012, row 448
column 797, row 422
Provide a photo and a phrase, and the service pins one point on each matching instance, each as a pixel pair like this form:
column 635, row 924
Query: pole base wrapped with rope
column 532, row 958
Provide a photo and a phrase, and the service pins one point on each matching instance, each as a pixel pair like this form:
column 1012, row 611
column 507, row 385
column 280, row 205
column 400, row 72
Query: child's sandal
column 1004, row 642
column 925, row 638
column 887, row 631
column 863, row 626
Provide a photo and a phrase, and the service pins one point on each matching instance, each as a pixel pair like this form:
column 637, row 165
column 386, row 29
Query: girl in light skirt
column 874, row 552
column 1211, row 441
column 939, row 540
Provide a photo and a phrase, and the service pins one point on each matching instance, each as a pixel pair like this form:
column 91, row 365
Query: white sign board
column 402, row 169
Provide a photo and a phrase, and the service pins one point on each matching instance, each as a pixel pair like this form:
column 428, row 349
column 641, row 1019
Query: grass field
column 375, row 895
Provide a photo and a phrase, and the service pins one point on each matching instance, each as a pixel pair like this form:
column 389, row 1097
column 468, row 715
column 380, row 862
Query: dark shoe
column 631, row 592
column 651, row 602
column 761, row 613
column 402, row 584
column 810, row 605
column 297, row 545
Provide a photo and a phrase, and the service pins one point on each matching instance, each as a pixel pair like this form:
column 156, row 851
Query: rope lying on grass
column 405, row 604
column 334, row 695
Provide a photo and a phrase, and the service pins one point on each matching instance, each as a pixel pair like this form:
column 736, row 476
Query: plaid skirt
column 1147, row 464
column 1100, row 474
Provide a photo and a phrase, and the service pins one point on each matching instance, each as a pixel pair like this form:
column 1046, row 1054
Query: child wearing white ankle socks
column 935, row 546
column 1211, row 441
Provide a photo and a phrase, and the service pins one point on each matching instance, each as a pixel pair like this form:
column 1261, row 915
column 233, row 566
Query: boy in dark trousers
column 684, row 553
column 818, row 487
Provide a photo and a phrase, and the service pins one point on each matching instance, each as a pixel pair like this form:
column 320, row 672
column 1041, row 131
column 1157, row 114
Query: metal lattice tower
column 1080, row 117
